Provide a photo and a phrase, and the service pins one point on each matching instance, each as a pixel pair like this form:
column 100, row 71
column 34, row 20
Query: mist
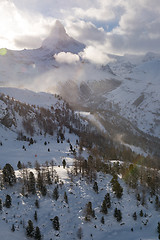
column 64, row 68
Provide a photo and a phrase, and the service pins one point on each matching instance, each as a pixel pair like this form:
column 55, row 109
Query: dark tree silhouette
column 9, row 174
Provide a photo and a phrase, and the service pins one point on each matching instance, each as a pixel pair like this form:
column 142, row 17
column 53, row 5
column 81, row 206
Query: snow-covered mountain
column 60, row 41
column 63, row 160
column 128, row 86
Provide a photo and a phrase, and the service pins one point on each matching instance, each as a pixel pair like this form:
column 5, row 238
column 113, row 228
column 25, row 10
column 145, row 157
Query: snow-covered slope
column 49, row 150
column 138, row 97
column 26, row 96
column 28, row 119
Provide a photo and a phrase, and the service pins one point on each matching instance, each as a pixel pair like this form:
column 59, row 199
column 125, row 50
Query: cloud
column 66, row 57
column 28, row 42
column 95, row 55
column 120, row 26
column 15, row 24
column 138, row 30
column 86, row 32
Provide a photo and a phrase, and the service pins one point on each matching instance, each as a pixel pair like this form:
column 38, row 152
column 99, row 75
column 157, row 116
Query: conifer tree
column 37, row 203
column 39, row 181
column 13, row 228
column 9, row 174
column 115, row 212
column 8, row 201
column 104, row 207
column 108, row 200
column 31, row 183
column 141, row 213
column 56, row 223
column 158, row 230
column 138, row 197
column 65, row 197
column 118, row 214
column 44, row 190
column 89, row 211
column 19, row 165
column 102, row 220
column 55, row 194
column 35, row 216
column 0, row 204
column 135, row 216
column 37, row 234
column 30, row 229
column 48, row 178
column 157, row 203
column 95, row 187
column 64, row 163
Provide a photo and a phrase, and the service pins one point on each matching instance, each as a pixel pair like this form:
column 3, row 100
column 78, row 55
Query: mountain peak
column 58, row 31
column 59, row 40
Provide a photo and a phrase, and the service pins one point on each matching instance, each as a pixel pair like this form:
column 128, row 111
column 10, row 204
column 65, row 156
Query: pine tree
column 65, row 197
column 117, row 189
column 64, row 163
column 141, row 213
column 13, row 228
column 89, row 212
column 55, row 194
column 19, row 165
column 0, row 204
column 115, row 213
column 35, row 216
column 9, row 174
column 31, row 183
column 48, row 178
column 134, row 216
column 37, row 166
column 31, row 141
column 108, row 200
column 8, row 201
column 104, row 207
column 158, row 228
column 119, row 215
column 44, row 190
column 95, row 187
column 37, row 203
column 157, row 203
column 102, row 220
column 138, row 197
column 30, row 229
column 37, row 234
column 39, row 181
column 56, row 223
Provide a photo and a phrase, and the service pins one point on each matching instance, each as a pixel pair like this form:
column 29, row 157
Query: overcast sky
column 108, row 26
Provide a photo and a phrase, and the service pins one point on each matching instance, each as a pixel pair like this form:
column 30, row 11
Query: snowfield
column 78, row 188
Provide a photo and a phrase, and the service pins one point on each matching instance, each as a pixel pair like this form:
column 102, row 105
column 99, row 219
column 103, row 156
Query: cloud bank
column 120, row 26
